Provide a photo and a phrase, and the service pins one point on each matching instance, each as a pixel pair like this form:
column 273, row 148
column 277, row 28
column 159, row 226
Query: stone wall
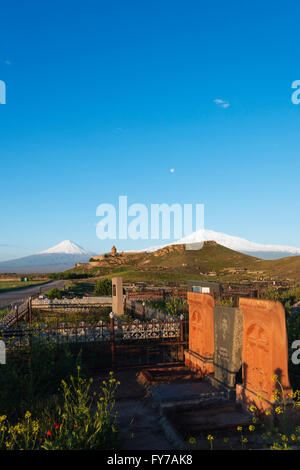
column 48, row 304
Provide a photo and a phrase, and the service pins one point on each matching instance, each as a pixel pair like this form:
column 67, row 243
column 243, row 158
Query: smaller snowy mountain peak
column 66, row 247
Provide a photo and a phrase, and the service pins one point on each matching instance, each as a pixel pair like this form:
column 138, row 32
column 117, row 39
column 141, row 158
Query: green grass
column 7, row 286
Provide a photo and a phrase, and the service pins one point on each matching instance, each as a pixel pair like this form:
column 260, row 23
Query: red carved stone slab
column 265, row 352
column 201, row 333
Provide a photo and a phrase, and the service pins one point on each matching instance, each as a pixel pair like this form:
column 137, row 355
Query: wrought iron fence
column 122, row 342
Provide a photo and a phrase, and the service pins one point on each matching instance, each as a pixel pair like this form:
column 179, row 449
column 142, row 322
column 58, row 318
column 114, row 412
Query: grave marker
column 117, row 296
column 199, row 357
column 265, row 352
column 228, row 337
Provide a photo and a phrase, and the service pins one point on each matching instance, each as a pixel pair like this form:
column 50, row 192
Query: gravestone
column 265, row 352
column 199, row 356
column 228, row 337
column 117, row 296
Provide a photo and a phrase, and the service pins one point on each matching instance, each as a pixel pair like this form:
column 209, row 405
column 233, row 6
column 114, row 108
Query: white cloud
column 221, row 103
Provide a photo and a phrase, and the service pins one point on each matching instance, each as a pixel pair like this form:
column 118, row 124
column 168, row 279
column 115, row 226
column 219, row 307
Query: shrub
column 103, row 287
column 33, row 376
column 83, row 421
column 54, row 294
column 176, row 306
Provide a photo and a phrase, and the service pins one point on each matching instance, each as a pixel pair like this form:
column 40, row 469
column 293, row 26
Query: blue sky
column 104, row 98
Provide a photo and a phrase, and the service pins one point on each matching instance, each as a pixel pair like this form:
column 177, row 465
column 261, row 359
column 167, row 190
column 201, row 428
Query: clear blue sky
column 104, row 98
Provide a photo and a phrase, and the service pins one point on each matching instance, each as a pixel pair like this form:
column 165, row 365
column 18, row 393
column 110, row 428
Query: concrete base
column 165, row 375
column 184, row 394
column 198, row 363
column 229, row 392
column 179, row 423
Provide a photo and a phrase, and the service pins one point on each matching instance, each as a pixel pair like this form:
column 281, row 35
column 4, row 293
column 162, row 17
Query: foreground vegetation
column 274, row 429
column 47, row 401
column 79, row 421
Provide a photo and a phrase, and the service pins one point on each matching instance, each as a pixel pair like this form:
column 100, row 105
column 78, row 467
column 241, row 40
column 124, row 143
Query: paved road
column 18, row 296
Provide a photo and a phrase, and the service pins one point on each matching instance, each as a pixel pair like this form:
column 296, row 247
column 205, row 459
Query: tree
column 103, row 287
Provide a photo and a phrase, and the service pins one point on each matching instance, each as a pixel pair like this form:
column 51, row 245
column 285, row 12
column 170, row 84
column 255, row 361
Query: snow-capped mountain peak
column 66, row 247
column 58, row 258
column 235, row 243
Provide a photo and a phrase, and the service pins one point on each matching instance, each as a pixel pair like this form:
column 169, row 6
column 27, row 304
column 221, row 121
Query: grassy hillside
column 176, row 264
column 284, row 267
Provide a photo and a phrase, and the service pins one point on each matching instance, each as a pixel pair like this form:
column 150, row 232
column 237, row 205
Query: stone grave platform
column 165, row 375
column 184, row 394
column 219, row 418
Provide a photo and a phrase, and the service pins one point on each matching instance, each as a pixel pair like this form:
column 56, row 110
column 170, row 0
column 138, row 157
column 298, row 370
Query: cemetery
column 239, row 358
column 216, row 377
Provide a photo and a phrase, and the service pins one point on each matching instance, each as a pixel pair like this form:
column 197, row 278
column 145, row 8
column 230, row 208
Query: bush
column 54, row 294
column 176, row 306
column 33, row 376
column 83, row 421
column 103, row 287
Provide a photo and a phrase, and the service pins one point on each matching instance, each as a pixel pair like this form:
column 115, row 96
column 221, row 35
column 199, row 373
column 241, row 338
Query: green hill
column 175, row 264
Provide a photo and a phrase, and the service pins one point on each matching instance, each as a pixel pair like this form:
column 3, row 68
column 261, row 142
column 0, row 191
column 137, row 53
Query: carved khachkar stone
column 117, row 296
column 265, row 352
column 228, row 334
column 199, row 357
